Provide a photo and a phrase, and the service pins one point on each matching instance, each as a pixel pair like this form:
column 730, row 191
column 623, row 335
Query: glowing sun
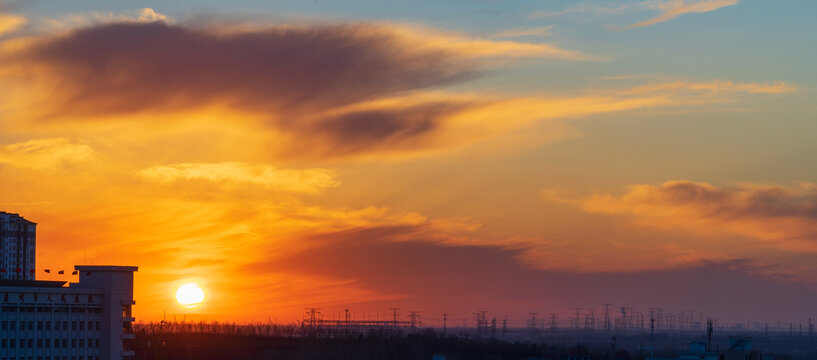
column 190, row 295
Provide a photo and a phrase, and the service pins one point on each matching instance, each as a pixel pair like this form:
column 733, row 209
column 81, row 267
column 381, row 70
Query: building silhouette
column 45, row 320
column 18, row 242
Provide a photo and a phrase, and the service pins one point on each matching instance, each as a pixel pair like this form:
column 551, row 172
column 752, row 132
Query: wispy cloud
column 594, row 9
column 674, row 8
column 96, row 18
column 234, row 173
column 522, row 32
column 44, row 153
column 716, row 86
column 669, row 9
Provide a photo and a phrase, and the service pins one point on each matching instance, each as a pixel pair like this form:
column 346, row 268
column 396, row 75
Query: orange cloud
column 674, row 8
column 230, row 174
column 779, row 215
column 9, row 22
column 44, row 153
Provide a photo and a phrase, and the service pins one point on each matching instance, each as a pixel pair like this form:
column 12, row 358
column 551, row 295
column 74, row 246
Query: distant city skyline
column 438, row 156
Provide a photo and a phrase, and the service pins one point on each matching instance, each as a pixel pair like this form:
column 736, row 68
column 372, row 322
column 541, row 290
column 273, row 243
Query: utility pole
column 709, row 332
column 445, row 322
column 493, row 328
column 505, row 328
column 554, row 322
column 576, row 321
column 532, row 325
column 607, row 317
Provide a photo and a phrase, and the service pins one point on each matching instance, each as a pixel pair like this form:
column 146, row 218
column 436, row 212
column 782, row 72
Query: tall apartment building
column 18, row 242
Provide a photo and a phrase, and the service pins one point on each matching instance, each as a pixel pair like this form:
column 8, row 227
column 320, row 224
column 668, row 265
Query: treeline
column 207, row 341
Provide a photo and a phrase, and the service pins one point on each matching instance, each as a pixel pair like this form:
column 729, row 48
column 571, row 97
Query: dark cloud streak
column 287, row 74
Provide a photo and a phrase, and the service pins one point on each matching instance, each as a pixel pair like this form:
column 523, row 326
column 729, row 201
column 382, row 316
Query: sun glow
column 190, row 295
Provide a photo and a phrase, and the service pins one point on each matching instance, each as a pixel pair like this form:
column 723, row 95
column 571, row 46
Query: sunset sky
column 434, row 155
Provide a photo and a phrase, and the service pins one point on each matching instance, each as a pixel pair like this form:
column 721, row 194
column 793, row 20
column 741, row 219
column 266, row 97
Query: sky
column 445, row 156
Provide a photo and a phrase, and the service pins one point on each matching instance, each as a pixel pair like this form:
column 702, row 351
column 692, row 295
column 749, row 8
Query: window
column 12, row 325
column 4, row 325
column 39, row 343
column 65, row 325
column 39, row 325
column 64, row 343
column 81, row 342
column 30, row 343
column 73, row 325
column 56, row 325
column 82, row 325
column 31, row 325
column 48, row 343
column 97, row 342
column 48, row 325
column 4, row 344
column 73, row 343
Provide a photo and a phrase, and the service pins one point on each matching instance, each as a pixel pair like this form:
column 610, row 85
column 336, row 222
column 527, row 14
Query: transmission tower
column 413, row 317
column 394, row 312
column 493, row 328
column 311, row 317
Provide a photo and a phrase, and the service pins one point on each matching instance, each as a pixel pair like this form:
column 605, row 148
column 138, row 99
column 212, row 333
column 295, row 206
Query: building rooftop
column 16, row 216
column 106, row 268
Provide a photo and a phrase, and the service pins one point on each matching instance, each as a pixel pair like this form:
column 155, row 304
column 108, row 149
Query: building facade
column 18, row 242
column 88, row 320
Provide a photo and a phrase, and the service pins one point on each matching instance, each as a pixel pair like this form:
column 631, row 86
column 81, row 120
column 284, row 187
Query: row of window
column 46, row 309
column 46, row 325
column 46, row 343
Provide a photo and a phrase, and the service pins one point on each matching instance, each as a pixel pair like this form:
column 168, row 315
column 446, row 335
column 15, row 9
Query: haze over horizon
column 441, row 156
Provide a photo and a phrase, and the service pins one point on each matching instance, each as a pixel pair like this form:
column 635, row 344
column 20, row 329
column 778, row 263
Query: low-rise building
column 88, row 320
